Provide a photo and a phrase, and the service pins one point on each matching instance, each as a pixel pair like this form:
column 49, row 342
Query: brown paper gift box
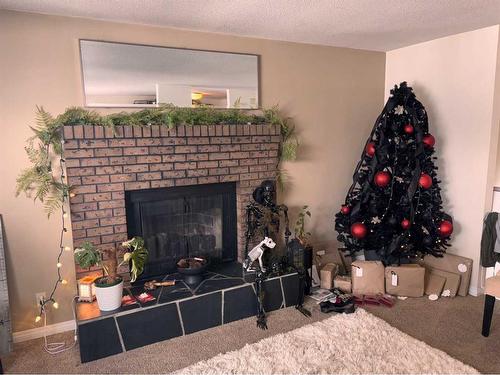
column 434, row 284
column 410, row 280
column 343, row 283
column 452, row 282
column 326, row 255
column 453, row 263
column 367, row 277
column 327, row 274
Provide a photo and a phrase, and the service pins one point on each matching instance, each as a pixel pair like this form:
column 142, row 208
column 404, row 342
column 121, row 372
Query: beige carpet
column 342, row 344
column 449, row 324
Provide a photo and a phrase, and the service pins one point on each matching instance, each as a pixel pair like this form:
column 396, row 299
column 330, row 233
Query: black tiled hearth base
column 202, row 312
column 170, row 317
column 98, row 339
column 148, row 326
column 239, row 304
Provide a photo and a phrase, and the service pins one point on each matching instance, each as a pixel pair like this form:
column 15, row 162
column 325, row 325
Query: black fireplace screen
column 181, row 222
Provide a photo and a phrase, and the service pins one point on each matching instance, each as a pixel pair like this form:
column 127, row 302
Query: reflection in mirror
column 130, row 75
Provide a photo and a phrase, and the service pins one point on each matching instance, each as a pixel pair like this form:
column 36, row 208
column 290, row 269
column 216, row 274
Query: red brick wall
column 101, row 166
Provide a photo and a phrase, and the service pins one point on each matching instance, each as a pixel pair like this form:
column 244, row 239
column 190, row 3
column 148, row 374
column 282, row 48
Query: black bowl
column 193, row 275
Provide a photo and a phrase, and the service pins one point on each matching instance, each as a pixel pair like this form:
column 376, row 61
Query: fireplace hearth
column 183, row 222
column 224, row 296
column 184, row 190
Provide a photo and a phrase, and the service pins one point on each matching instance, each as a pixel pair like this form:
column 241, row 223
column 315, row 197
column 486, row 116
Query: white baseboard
column 38, row 332
column 475, row 291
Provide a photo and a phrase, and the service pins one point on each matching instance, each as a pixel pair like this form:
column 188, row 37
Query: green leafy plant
column 88, row 256
column 38, row 181
column 289, row 143
column 300, row 231
column 137, row 256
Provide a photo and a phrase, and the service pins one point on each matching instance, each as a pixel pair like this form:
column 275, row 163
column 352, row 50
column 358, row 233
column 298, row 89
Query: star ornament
column 399, row 110
column 376, row 220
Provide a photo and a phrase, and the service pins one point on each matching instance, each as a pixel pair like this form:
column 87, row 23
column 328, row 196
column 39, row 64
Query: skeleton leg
column 260, row 262
column 261, row 314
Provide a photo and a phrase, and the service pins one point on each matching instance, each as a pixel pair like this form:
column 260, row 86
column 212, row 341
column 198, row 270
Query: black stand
column 489, row 304
column 300, row 300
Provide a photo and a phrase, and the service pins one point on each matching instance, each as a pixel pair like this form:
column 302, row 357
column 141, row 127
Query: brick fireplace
column 102, row 166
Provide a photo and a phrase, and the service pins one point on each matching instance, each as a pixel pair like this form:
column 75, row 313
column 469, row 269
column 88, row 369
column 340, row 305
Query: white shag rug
column 347, row 344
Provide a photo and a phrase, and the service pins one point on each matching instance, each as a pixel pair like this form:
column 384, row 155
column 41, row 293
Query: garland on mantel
column 45, row 148
column 40, row 182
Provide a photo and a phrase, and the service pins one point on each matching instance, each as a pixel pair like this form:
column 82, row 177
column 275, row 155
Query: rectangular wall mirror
column 131, row 75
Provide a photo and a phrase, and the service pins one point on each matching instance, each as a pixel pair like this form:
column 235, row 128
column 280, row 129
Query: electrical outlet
column 39, row 297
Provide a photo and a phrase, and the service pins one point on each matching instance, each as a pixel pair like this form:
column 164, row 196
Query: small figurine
column 256, row 254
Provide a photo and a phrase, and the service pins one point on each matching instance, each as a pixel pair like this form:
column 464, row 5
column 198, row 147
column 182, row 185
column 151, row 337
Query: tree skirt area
column 353, row 343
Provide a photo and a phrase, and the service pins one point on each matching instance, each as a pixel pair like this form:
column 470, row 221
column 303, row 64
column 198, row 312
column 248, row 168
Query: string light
column 72, row 195
column 58, row 347
column 59, row 280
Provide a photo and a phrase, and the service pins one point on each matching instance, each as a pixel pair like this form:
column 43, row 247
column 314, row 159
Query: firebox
column 181, row 222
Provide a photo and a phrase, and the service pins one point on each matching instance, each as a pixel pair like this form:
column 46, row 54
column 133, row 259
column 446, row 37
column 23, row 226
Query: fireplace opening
column 182, row 222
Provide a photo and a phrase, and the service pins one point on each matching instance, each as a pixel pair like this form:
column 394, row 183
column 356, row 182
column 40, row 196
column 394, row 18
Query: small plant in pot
column 109, row 287
column 299, row 249
column 300, row 232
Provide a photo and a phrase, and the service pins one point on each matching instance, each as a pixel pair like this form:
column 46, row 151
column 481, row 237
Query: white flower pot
column 109, row 297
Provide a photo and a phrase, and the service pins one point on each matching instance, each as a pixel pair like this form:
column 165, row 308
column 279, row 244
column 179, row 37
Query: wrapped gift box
column 327, row 275
column 451, row 284
column 367, row 277
column 406, row 280
column 434, row 284
column 327, row 255
column 343, row 283
column 453, row 263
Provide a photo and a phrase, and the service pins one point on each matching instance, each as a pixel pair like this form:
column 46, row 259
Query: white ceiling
column 366, row 24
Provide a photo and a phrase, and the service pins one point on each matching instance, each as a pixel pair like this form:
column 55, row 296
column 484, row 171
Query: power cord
column 59, row 347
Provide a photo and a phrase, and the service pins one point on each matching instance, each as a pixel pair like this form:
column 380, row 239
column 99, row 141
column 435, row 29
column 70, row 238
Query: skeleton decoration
column 256, row 254
column 263, row 215
column 263, row 220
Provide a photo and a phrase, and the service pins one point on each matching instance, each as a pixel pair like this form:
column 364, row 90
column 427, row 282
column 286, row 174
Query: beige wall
column 454, row 77
column 334, row 95
column 496, row 114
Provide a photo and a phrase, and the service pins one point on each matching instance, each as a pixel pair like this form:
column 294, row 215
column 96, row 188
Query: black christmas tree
column 393, row 210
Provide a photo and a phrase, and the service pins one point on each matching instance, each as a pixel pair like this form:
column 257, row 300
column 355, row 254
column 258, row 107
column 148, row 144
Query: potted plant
column 300, row 249
column 109, row 287
column 300, row 232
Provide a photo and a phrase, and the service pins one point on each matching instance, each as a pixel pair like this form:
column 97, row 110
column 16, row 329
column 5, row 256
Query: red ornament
column 445, row 228
column 345, row 210
column 405, row 224
column 408, row 128
column 370, row 149
column 425, row 181
column 429, row 140
column 382, row 178
column 358, row 230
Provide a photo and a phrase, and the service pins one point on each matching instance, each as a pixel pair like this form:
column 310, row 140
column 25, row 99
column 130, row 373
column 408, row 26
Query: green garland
column 39, row 181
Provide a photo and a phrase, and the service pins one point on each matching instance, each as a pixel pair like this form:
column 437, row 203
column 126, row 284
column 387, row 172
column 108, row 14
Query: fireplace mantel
column 102, row 165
